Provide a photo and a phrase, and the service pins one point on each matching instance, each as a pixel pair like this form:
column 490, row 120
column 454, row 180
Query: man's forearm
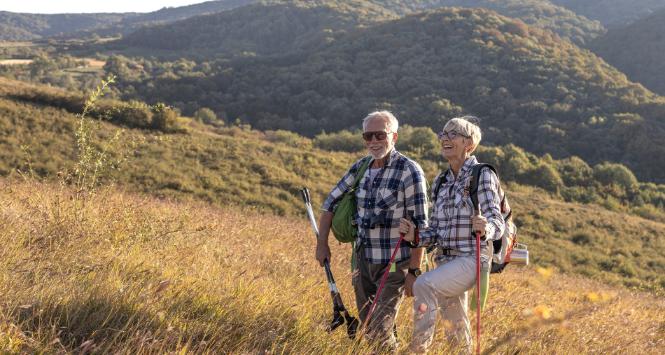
column 325, row 221
column 416, row 257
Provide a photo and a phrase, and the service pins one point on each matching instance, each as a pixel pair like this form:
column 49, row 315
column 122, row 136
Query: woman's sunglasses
column 450, row 135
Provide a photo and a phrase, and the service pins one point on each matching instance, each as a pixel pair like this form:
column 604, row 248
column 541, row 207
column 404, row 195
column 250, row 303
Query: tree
column 164, row 118
column 607, row 174
column 205, row 115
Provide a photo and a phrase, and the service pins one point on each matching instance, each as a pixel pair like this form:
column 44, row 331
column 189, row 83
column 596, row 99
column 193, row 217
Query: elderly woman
column 451, row 229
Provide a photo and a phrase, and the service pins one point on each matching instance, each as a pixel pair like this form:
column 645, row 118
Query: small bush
column 582, row 238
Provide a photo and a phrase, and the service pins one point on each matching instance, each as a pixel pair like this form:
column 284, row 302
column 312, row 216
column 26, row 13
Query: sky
column 80, row 6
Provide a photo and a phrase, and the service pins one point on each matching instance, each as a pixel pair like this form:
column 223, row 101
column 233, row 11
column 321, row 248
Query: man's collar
column 388, row 159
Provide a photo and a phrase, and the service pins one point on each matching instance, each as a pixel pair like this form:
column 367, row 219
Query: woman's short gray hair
column 386, row 115
column 466, row 125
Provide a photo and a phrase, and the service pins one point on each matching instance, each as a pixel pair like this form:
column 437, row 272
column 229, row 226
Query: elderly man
column 390, row 188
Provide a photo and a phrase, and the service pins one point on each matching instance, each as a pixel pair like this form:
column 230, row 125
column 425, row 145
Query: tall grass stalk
column 93, row 152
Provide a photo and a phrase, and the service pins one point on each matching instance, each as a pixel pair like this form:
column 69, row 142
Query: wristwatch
column 415, row 271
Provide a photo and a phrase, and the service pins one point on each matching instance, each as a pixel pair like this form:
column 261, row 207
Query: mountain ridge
column 637, row 50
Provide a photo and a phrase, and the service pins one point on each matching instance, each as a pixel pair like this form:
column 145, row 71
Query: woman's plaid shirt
column 450, row 223
column 397, row 188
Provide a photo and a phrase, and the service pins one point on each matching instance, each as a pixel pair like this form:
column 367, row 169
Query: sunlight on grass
column 135, row 274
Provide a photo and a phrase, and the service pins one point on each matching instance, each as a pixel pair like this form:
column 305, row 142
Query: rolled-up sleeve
column 415, row 195
column 342, row 187
column 490, row 204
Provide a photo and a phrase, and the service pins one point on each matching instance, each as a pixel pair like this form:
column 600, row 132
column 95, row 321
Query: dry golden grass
column 125, row 273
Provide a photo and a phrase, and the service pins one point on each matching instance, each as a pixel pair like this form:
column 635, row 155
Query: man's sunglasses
column 379, row 135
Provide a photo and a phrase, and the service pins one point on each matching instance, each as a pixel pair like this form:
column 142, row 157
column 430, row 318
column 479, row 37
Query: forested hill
column 530, row 87
column 22, row 27
column 613, row 13
column 278, row 25
column 539, row 13
column 638, row 50
column 257, row 29
column 165, row 15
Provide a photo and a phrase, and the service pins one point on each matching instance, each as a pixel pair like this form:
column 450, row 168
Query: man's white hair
column 386, row 115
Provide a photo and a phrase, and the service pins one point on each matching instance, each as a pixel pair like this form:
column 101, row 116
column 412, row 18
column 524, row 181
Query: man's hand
column 479, row 223
column 408, row 284
column 407, row 228
column 322, row 251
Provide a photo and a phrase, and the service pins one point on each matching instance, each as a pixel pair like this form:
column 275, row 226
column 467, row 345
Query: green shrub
column 206, row 116
column 614, row 174
column 288, row 138
column 344, row 141
column 545, row 176
column 164, row 118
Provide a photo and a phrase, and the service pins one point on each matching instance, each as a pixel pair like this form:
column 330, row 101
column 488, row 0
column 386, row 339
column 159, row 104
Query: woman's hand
column 407, row 228
column 479, row 223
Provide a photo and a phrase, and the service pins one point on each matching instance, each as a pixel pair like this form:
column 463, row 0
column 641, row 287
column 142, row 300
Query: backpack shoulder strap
column 475, row 178
column 440, row 179
column 361, row 172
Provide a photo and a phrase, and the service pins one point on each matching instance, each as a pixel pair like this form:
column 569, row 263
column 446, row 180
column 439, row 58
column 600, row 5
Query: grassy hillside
column 236, row 166
column 124, row 273
column 529, row 87
column 637, row 50
column 612, row 13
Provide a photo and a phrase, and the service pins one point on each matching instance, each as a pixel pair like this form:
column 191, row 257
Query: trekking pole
column 478, row 292
column 338, row 304
column 384, row 277
column 477, row 212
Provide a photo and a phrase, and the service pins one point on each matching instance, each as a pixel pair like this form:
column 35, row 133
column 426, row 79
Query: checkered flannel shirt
column 397, row 188
column 450, row 224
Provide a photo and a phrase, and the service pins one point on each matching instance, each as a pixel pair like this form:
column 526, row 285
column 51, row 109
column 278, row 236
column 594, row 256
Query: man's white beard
column 382, row 154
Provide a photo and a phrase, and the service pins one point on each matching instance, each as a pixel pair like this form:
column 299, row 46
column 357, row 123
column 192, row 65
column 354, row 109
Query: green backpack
column 343, row 225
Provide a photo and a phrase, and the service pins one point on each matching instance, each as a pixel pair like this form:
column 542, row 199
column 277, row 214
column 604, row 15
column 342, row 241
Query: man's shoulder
column 358, row 163
column 409, row 164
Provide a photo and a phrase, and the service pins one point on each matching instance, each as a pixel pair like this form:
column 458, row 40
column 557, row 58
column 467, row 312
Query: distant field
column 5, row 44
column 94, row 63
column 15, row 61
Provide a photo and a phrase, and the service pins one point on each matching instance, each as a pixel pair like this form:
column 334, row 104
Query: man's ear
column 395, row 137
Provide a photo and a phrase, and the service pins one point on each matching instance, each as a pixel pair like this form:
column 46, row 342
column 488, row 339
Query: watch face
column 415, row 272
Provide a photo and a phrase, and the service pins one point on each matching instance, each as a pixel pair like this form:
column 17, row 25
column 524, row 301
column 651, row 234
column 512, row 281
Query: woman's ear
column 468, row 145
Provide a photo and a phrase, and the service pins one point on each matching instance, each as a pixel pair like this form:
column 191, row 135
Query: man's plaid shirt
column 397, row 188
column 450, row 224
